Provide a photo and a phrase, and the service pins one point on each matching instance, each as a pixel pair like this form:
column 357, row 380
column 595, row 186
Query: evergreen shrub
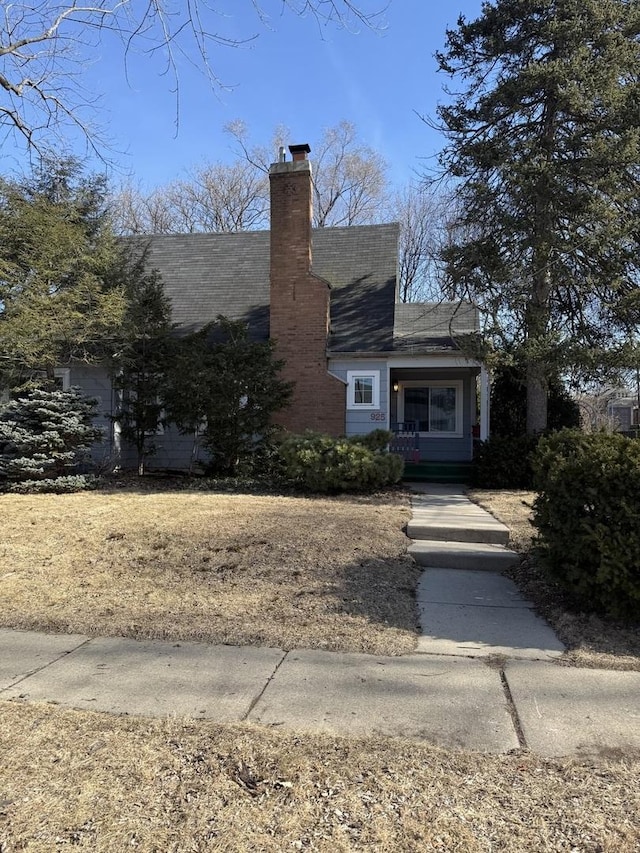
column 587, row 515
column 319, row 463
column 509, row 402
column 58, row 486
column 504, row 462
column 377, row 440
column 44, row 436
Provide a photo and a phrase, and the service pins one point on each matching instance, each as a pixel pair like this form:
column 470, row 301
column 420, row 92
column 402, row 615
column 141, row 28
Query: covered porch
column 437, row 411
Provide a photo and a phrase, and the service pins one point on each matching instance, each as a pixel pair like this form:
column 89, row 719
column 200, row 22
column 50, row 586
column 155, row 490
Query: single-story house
column 359, row 358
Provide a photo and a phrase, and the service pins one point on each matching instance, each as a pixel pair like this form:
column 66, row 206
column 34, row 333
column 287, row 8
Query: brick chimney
column 299, row 303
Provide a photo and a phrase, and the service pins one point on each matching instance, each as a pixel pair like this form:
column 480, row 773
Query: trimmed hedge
column 319, row 463
column 504, row 462
column 587, row 517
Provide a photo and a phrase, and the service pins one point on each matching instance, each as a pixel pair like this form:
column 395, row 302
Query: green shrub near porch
column 504, row 462
column 319, row 463
column 587, row 515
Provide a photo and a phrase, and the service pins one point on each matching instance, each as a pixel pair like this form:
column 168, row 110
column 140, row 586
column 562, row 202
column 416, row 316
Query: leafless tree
column 350, row 181
column 221, row 197
column 425, row 215
column 214, row 197
column 350, row 189
column 136, row 212
column 46, row 44
column 350, row 177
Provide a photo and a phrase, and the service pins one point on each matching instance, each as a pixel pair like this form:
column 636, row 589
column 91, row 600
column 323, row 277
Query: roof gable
column 205, row 275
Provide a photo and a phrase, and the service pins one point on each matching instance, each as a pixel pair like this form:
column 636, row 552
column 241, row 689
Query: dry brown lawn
column 84, row 781
column 513, row 508
column 323, row 573
column 591, row 640
column 222, row 568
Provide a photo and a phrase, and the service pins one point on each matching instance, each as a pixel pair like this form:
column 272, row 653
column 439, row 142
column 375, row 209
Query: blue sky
column 292, row 74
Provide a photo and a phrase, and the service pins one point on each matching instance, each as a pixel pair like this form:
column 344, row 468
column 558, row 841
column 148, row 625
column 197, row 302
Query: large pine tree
column 59, row 298
column 543, row 136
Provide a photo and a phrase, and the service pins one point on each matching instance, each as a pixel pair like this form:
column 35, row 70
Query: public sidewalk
column 452, row 701
column 484, row 676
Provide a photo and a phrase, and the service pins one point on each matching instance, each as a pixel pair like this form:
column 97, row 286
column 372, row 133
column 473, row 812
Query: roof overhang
column 390, row 353
column 437, row 358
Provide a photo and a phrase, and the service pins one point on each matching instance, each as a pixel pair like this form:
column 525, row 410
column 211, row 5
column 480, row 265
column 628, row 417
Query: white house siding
column 366, row 420
column 94, row 381
column 173, row 451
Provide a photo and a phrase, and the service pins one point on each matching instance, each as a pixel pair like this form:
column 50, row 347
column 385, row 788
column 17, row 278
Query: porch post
column 485, row 397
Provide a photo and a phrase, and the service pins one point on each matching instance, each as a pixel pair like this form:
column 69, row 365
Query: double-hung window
column 363, row 389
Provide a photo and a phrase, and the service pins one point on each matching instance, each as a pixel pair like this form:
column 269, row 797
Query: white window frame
column 436, row 383
column 352, row 375
column 63, row 373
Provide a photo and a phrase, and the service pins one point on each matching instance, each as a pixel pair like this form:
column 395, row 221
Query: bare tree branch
column 350, row 188
column 425, row 214
column 349, row 178
column 45, row 45
column 215, row 197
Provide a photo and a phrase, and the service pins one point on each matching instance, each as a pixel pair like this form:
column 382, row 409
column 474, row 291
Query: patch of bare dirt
column 222, row 568
column 592, row 641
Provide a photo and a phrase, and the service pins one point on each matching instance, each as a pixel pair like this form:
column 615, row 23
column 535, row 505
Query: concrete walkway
column 483, row 677
column 466, row 606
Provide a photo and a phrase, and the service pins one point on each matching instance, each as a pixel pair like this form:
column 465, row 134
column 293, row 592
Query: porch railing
column 405, row 441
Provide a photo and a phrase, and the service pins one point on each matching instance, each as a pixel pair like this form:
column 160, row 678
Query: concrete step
column 437, row 472
column 462, row 555
column 481, row 531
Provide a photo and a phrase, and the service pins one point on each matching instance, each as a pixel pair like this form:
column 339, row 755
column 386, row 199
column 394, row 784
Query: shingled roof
column 420, row 326
column 205, row 275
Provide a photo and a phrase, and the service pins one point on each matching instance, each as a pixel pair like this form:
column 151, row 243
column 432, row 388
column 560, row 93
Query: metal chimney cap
column 299, row 152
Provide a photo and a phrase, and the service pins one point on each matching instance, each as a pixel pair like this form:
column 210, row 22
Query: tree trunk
column 538, row 309
column 536, row 397
column 537, row 354
column 141, row 455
